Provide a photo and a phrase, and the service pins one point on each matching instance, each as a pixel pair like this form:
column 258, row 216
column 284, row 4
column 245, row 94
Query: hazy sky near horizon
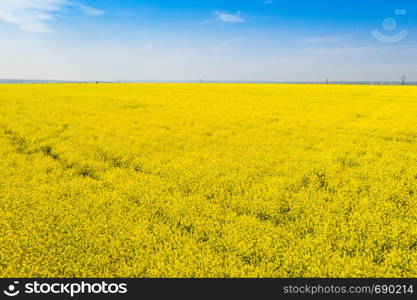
column 251, row 40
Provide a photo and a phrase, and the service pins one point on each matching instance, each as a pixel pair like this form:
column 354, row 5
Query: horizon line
column 360, row 82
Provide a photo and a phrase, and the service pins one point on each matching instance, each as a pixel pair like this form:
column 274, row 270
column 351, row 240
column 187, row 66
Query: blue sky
column 252, row 40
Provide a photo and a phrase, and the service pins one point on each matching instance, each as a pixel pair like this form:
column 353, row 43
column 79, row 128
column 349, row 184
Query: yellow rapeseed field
column 208, row 180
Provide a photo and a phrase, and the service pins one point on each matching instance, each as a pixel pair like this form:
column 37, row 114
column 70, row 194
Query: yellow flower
column 208, row 180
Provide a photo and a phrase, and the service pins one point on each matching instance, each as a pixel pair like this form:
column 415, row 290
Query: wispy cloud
column 352, row 51
column 268, row 1
column 91, row 11
column 223, row 47
column 149, row 47
column 226, row 46
column 326, row 39
column 227, row 17
column 36, row 15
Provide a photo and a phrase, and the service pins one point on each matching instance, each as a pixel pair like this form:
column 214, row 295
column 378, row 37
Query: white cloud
column 91, row 11
column 35, row 15
column 326, row 39
column 149, row 47
column 352, row 51
column 330, row 39
column 227, row 17
column 226, row 46
column 223, row 47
